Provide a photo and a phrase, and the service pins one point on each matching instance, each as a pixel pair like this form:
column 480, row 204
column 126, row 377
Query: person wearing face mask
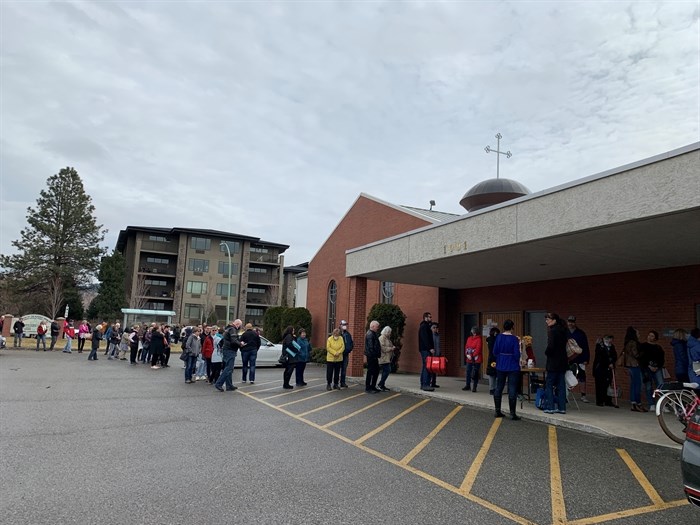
column 347, row 340
column 603, row 370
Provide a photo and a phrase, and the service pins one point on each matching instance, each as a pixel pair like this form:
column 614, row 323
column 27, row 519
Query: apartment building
column 200, row 273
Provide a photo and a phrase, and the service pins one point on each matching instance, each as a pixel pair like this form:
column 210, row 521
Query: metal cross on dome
column 498, row 152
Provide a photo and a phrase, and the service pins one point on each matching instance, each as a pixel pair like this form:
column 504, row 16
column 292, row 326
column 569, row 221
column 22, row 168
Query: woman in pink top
column 83, row 331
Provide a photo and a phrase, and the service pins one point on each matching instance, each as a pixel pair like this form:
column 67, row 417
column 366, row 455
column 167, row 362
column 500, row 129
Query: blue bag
column 539, row 398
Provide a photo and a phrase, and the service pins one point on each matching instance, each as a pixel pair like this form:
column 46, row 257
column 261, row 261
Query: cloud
column 233, row 115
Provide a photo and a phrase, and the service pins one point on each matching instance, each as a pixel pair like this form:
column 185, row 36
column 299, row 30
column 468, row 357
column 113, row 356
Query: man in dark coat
column 347, row 339
column 373, row 350
column 426, row 347
column 557, row 364
column 230, row 349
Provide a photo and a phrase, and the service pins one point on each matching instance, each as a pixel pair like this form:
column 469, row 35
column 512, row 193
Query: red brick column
column 357, row 320
column 60, row 321
column 7, row 326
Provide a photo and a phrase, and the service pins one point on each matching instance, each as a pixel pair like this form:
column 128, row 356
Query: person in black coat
column 426, row 347
column 373, row 351
column 603, row 370
column 289, row 348
column 557, row 365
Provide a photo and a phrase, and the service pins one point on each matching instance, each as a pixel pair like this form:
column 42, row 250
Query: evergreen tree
column 60, row 247
column 111, row 296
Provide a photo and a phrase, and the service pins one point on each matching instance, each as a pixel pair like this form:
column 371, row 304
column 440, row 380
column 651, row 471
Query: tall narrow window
column 387, row 292
column 332, row 299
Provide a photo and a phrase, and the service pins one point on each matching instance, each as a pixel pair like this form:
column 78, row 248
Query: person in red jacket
column 208, row 350
column 473, row 357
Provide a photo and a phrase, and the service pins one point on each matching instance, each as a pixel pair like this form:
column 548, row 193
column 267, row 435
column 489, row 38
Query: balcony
column 161, row 271
column 159, row 247
column 264, row 258
column 262, row 278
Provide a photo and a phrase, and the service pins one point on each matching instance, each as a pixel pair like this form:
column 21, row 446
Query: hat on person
column 343, row 323
column 571, row 318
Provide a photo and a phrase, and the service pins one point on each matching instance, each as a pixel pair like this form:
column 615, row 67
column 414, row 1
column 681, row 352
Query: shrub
column 298, row 318
column 272, row 323
column 318, row 355
column 392, row 316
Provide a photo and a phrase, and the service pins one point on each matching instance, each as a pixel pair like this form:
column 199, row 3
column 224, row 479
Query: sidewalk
column 590, row 418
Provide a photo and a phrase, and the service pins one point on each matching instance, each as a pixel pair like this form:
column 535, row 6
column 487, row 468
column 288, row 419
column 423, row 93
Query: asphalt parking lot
column 109, row 443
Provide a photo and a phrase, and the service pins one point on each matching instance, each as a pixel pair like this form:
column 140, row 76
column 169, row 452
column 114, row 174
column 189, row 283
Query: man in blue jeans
column 231, row 344
column 426, row 347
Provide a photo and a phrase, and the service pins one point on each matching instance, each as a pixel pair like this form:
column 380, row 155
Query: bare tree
column 272, row 295
column 54, row 296
column 138, row 299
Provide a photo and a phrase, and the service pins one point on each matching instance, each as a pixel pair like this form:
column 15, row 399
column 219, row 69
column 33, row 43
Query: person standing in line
column 694, row 355
column 652, row 368
column 69, row 333
column 473, row 357
column 41, row 335
column 435, row 327
column 193, row 347
column 291, row 349
column 373, row 350
column 491, row 367
column 582, row 359
column 95, row 342
column 18, row 329
column 386, row 357
column 83, row 332
column 231, row 344
column 347, row 341
column 114, row 339
column 334, row 359
column 55, row 329
column 679, row 343
column 124, row 344
column 426, row 349
column 133, row 344
column 603, row 370
column 506, row 351
column 305, row 357
column 208, row 350
column 217, row 356
column 157, row 346
column 557, row 365
column 249, row 352
column 630, row 360
column 166, row 349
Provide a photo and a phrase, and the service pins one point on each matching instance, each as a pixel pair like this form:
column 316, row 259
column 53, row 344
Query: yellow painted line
column 641, row 478
column 390, row 422
column 247, row 385
column 363, row 409
column 486, row 504
column 557, row 491
column 297, row 389
column 417, row 449
column 469, row 479
column 330, row 404
column 627, row 513
column 304, row 399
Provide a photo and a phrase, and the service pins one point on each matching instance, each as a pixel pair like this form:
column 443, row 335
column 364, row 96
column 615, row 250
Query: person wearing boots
column 472, row 356
column 506, row 351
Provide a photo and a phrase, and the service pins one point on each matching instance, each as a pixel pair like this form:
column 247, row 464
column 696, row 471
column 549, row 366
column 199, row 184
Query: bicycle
column 676, row 404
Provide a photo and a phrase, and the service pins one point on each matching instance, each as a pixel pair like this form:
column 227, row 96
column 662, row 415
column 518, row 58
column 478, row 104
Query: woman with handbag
column 290, row 353
column 603, row 370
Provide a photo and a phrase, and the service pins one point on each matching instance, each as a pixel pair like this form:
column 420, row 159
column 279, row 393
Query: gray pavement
column 620, row 422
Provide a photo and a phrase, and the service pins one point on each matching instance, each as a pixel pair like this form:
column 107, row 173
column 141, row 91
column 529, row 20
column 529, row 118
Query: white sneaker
column 584, row 399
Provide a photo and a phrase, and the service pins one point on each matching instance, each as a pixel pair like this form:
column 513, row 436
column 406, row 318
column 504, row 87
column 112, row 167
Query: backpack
column 539, row 398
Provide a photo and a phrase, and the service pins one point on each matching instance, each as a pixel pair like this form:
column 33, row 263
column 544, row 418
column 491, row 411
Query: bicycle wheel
column 672, row 414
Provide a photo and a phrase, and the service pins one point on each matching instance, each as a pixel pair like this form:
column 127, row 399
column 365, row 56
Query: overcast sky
column 268, row 119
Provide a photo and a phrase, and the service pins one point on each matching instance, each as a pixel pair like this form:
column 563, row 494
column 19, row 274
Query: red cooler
column 436, row 365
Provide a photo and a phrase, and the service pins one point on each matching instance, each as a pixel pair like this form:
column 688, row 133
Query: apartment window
column 233, row 246
column 221, row 289
column 257, row 270
column 200, row 243
column 332, row 298
column 193, row 311
column 157, row 238
column 198, row 265
column 387, row 292
column 196, row 287
column 155, row 282
column 157, row 260
column 256, row 290
column 223, row 268
column 255, row 312
column 155, row 306
column 254, row 249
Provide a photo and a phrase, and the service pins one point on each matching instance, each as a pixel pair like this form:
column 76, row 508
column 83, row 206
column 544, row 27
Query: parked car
column 268, row 354
column 3, row 343
column 690, row 461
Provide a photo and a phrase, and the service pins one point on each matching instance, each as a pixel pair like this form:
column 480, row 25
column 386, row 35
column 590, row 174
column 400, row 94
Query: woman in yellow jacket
column 335, row 346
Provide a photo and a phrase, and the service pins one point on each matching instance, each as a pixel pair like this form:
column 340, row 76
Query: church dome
column 490, row 192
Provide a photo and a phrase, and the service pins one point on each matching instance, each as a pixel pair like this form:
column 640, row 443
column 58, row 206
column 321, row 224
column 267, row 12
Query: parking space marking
column 317, row 409
column 363, row 409
column 594, row 520
column 390, row 422
column 306, row 398
column 556, row 487
column 641, row 478
column 260, row 384
column 469, row 479
column 417, row 449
